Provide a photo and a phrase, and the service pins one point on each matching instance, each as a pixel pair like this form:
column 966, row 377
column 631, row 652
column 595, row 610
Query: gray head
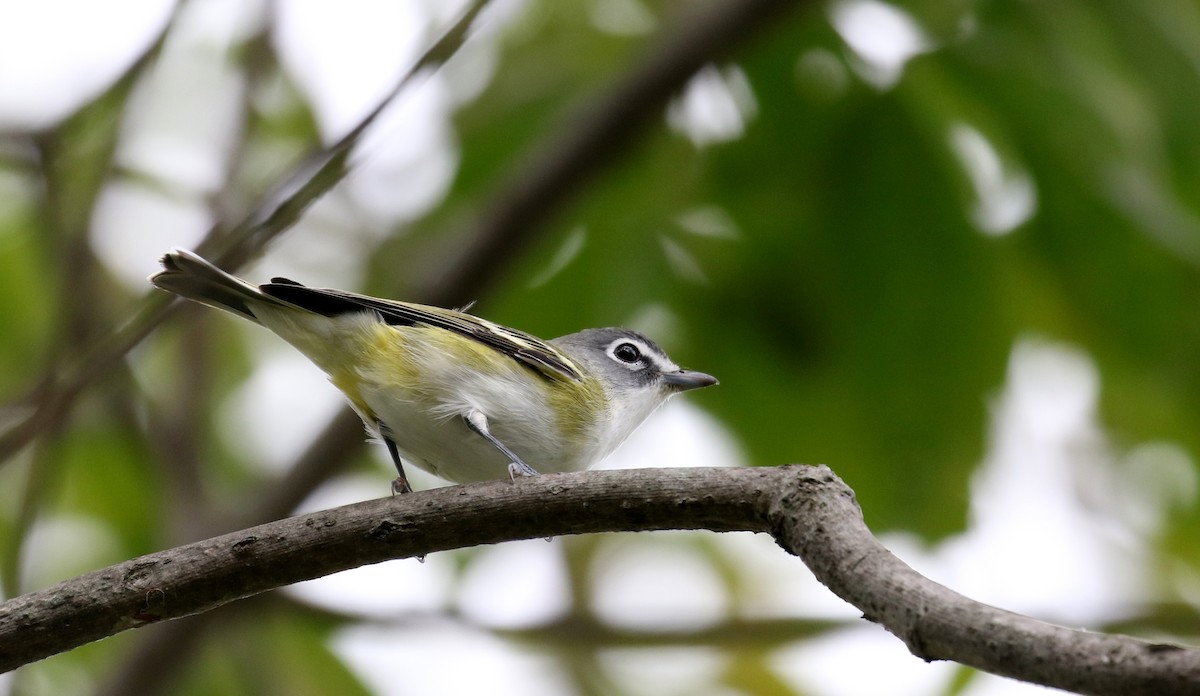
column 627, row 360
column 636, row 375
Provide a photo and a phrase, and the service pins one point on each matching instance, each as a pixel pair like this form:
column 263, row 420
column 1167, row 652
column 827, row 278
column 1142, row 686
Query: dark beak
column 688, row 379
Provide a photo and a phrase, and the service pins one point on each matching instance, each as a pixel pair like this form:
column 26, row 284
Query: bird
column 451, row 393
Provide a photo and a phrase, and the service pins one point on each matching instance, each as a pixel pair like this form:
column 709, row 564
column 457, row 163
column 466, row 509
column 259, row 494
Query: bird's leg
column 477, row 422
column 400, row 484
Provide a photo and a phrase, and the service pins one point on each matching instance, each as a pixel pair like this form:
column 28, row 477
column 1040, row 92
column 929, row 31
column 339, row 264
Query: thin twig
column 231, row 248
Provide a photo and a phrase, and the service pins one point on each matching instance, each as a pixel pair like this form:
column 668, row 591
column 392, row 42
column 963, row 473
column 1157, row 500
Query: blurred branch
column 809, row 511
column 585, row 630
column 589, row 632
column 52, row 396
column 173, row 434
column 1175, row 618
column 596, row 135
column 230, row 248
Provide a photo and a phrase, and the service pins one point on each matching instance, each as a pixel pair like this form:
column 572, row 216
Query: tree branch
column 808, row 510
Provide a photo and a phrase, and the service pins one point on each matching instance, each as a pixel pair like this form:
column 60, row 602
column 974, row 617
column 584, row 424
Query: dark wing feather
column 518, row 345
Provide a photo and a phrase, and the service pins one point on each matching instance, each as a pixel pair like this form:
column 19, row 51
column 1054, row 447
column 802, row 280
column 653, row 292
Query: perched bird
column 446, row 391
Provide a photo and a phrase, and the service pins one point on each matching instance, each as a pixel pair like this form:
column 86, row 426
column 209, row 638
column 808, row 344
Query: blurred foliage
column 829, row 264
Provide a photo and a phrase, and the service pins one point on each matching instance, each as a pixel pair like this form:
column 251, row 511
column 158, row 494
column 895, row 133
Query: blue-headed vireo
column 453, row 394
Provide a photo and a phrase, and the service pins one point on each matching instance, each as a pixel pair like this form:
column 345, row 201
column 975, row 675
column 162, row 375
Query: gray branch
column 809, row 511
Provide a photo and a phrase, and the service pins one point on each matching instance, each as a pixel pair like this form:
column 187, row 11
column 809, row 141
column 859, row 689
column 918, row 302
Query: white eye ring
column 628, row 353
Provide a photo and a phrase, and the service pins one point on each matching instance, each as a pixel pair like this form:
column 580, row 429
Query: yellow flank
column 577, row 405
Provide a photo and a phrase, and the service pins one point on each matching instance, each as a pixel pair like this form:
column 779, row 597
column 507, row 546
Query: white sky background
column 1039, row 541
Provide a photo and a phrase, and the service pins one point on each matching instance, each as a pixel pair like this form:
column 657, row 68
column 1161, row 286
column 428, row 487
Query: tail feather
column 188, row 275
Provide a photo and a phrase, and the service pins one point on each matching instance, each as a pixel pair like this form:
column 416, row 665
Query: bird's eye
column 627, row 352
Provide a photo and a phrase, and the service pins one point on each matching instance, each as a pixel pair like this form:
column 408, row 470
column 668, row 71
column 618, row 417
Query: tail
column 188, row 275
